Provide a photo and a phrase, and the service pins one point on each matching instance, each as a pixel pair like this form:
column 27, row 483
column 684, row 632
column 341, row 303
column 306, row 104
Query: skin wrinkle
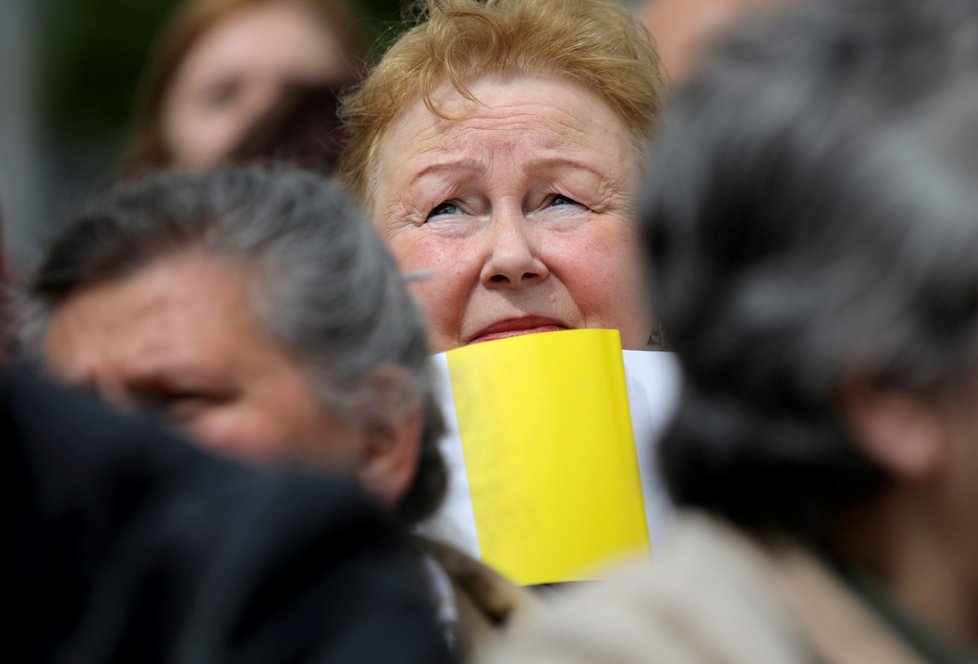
column 500, row 168
column 447, row 129
column 612, row 189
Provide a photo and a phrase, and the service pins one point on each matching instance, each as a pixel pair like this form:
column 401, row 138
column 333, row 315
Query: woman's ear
column 901, row 433
column 391, row 446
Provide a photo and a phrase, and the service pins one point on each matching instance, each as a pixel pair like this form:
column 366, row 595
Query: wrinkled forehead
column 521, row 114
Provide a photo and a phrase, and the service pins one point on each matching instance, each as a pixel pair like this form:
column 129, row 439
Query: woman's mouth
column 514, row 327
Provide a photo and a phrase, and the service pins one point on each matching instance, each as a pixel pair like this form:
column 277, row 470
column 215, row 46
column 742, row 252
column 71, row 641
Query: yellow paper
column 549, row 453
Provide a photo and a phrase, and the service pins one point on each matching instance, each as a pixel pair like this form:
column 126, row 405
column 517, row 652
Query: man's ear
column 391, row 446
column 901, row 433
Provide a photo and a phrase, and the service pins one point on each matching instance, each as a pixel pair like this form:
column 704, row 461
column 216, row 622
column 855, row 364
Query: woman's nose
column 513, row 259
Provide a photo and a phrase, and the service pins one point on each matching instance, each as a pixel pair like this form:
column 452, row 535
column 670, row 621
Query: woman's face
column 520, row 208
column 237, row 71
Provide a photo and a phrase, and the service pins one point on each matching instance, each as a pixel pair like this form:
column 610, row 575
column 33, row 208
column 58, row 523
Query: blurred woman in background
column 221, row 65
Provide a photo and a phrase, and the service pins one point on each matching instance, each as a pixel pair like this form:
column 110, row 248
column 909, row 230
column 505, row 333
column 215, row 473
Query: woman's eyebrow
column 450, row 166
column 545, row 163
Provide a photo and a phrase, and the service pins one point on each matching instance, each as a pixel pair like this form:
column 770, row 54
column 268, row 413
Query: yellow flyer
column 549, row 454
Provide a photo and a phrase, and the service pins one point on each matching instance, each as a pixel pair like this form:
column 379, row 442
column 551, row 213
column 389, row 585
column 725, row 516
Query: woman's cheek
column 600, row 268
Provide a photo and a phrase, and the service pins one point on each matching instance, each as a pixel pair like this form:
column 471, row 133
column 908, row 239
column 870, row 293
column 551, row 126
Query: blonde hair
column 596, row 44
column 147, row 147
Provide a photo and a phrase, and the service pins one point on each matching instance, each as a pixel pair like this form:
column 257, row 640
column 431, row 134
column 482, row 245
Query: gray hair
column 324, row 284
column 812, row 215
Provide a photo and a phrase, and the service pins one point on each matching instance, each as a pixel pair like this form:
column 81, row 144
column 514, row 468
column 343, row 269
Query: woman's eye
column 560, row 199
column 442, row 209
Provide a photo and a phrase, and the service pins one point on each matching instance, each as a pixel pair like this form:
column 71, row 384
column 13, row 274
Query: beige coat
column 488, row 603
column 711, row 595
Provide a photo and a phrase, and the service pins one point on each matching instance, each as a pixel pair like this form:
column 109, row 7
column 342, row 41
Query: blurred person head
column 813, row 223
column 301, row 129
column 683, row 29
column 221, row 65
column 257, row 310
column 496, row 145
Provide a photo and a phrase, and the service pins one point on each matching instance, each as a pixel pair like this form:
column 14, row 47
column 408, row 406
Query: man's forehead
column 172, row 303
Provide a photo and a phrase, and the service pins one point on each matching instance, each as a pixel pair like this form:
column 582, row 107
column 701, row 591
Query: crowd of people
column 780, row 193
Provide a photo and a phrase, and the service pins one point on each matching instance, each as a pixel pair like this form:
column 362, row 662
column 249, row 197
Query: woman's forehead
column 524, row 114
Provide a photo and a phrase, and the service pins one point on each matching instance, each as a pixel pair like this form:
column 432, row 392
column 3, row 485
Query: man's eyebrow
column 176, row 368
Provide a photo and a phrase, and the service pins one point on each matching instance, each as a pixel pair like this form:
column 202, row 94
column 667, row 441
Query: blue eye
column 442, row 209
column 559, row 200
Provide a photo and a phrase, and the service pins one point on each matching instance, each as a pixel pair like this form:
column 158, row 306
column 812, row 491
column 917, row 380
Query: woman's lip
column 515, row 327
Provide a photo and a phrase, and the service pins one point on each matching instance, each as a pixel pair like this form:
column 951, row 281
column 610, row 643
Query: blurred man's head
column 683, row 29
column 258, row 311
column 813, row 222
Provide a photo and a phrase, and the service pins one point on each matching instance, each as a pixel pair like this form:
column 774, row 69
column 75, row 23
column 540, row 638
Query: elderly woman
column 496, row 145
column 258, row 311
column 221, row 65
